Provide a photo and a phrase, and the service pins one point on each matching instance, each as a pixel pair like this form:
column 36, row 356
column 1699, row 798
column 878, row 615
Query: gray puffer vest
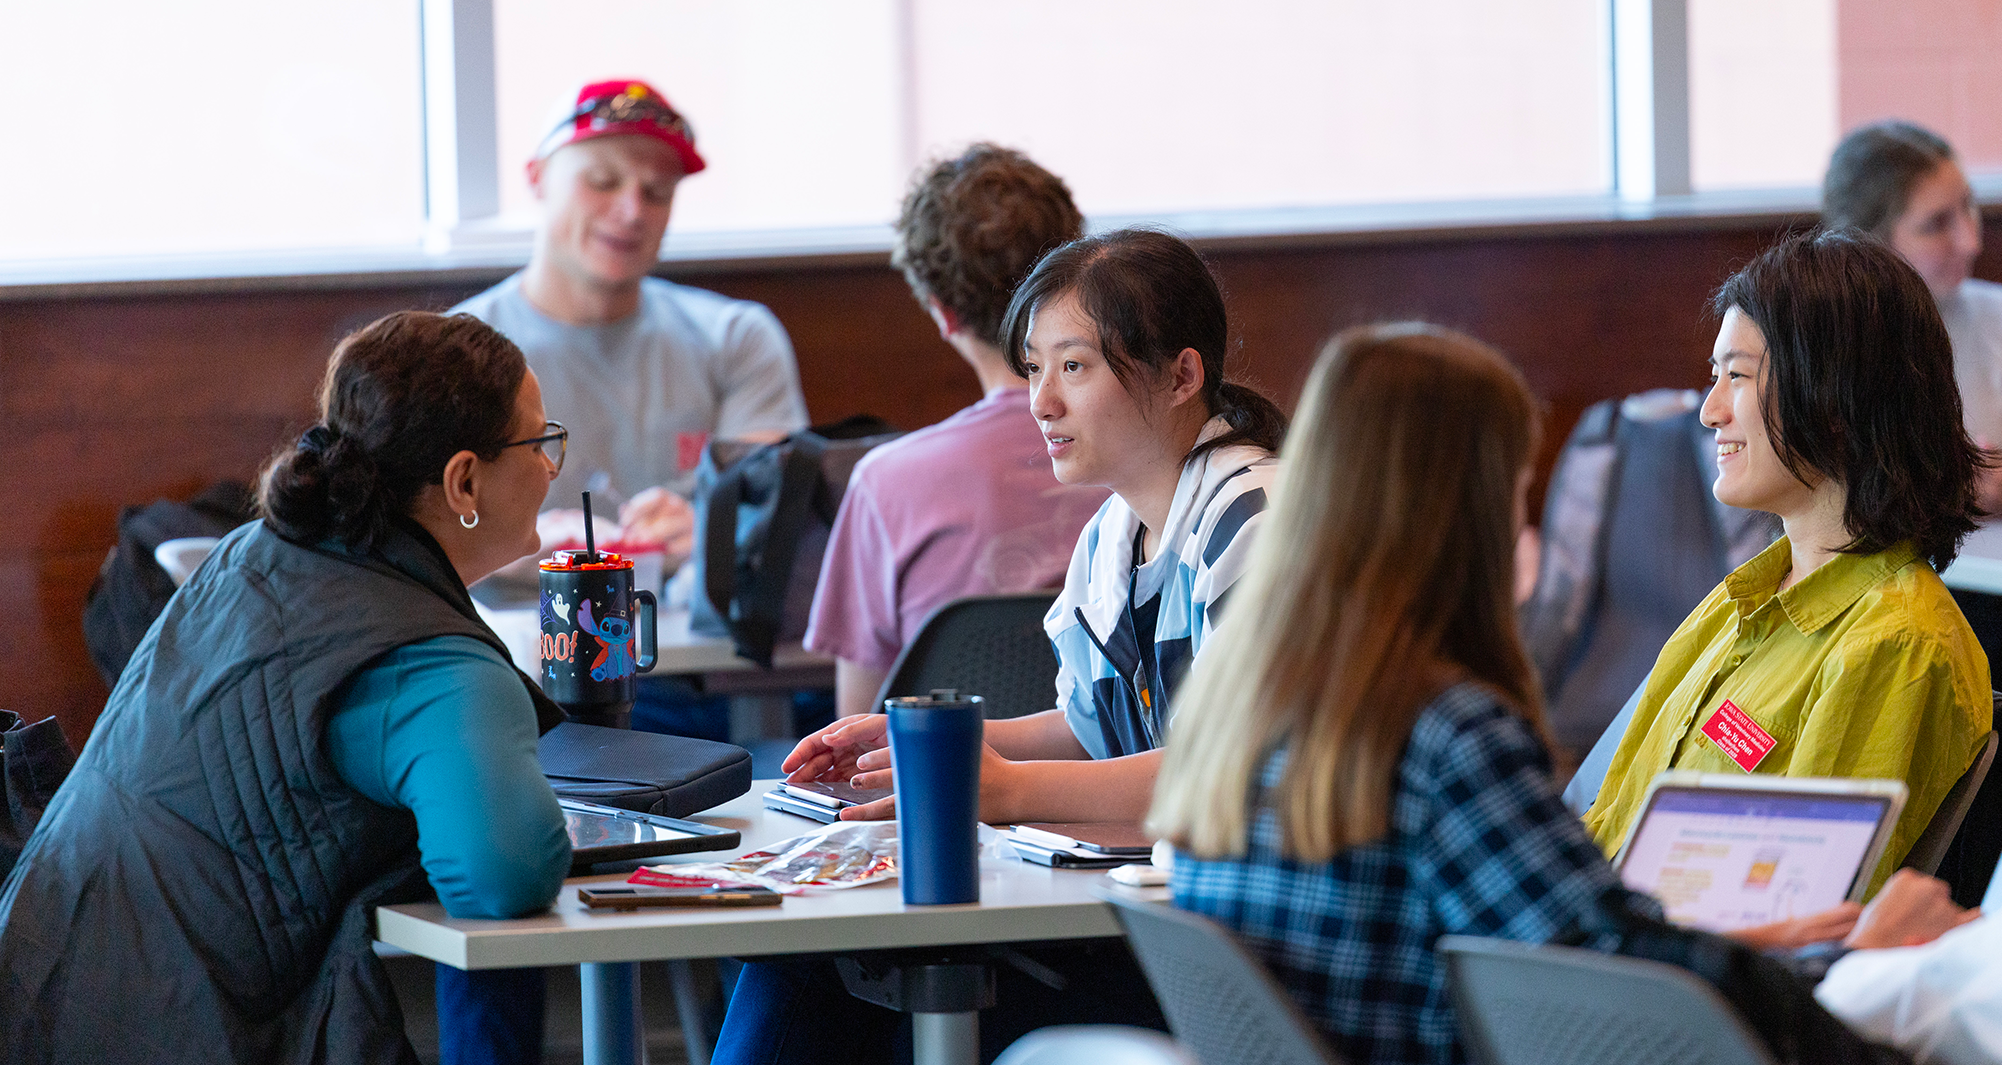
column 202, row 888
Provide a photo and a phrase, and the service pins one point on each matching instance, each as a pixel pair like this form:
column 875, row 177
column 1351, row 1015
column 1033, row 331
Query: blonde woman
column 1357, row 765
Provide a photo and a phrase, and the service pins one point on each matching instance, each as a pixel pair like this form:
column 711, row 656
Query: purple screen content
column 1721, row 860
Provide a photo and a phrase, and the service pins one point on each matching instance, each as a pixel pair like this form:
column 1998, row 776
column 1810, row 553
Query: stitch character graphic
column 616, row 636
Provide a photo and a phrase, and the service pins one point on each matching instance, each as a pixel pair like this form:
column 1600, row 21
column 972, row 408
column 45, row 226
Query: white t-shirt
column 1974, row 320
column 642, row 395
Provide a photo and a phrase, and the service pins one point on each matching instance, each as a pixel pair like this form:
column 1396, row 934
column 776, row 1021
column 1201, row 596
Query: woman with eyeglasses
column 317, row 724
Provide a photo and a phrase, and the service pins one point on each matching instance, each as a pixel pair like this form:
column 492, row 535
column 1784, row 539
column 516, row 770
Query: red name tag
column 688, row 449
column 1736, row 734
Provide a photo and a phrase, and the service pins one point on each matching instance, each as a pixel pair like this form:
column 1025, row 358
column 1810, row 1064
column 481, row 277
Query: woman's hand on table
column 856, row 751
column 853, row 750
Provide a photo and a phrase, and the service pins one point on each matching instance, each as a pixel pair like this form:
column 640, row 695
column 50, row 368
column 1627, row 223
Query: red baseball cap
column 628, row 105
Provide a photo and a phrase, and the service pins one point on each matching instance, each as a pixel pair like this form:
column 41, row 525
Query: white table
column 1018, row 901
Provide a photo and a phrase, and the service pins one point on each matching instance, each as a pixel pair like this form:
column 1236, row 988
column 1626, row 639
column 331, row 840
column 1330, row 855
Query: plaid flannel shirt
column 1479, row 844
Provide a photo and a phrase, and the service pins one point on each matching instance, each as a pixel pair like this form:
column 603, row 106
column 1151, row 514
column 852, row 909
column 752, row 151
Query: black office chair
column 1525, row 1004
column 1932, row 844
column 992, row 646
column 1972, row 853
column 1221, row 1002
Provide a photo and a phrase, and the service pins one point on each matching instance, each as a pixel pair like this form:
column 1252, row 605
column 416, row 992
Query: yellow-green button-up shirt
column 1865, row 668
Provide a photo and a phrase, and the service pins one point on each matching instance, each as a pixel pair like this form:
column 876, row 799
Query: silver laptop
column 1728, row 851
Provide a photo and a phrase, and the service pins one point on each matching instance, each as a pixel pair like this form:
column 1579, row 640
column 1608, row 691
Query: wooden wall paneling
column 112, row 401
column 119, row 401
column 864, row 345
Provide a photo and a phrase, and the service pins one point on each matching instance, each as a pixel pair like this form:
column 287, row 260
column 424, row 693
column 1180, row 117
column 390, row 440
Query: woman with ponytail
column 1123, row 339
column 317, row 712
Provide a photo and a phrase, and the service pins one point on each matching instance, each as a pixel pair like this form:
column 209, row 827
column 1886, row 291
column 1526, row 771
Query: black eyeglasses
column 553, row 443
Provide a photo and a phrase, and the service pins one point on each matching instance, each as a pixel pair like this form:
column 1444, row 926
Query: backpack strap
column 756, row 629
column 719, row 540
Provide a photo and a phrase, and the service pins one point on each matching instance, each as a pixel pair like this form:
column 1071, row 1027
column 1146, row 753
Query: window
column 1181, row 105
column 141, row 128
column 814, row 114
column 1762, row 92
column 1774, row 84
column 222, row 127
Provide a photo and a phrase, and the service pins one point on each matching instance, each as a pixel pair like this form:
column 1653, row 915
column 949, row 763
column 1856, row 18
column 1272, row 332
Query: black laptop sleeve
column 672, row 776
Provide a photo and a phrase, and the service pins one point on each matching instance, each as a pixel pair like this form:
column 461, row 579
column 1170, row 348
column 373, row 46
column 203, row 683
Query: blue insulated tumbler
column 935, row 758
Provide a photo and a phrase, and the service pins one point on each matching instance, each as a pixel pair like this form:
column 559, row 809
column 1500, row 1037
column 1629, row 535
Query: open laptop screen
column 1722, row 859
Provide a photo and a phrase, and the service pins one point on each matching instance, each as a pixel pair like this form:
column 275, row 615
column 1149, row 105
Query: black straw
column 590, row 541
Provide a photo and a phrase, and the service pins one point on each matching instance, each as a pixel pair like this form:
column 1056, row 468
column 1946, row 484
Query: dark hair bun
column 402, row 395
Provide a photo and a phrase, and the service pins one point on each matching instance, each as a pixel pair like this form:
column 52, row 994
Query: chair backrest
column 992, row 646
column 1524, row 1004
column 1221, row 1002
column 1932, row 844
column 1094, row 1044
column 1971, row 858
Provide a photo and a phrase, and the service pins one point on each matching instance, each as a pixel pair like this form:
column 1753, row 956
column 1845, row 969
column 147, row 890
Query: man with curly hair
column 968, row 506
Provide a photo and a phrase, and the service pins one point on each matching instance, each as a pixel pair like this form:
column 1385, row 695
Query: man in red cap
column 643, row 371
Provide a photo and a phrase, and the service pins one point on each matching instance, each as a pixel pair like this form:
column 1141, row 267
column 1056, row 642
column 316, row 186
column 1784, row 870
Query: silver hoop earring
column 464, row 524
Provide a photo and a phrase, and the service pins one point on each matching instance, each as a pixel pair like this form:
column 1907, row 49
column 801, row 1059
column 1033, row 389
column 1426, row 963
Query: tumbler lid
column 940, row 698
column 572, row 561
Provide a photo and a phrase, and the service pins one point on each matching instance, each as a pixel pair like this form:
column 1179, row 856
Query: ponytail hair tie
column 317, row 440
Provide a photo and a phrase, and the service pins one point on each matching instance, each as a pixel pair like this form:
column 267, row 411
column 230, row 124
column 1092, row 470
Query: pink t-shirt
column 965, row 507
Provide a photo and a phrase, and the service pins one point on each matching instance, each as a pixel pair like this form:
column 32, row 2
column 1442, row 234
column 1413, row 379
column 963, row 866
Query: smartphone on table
column 628, row 897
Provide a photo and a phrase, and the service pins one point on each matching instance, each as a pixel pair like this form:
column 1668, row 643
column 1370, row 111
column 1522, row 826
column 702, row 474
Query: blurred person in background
column 646, row 371
column 968, row 506
column 1902, row 184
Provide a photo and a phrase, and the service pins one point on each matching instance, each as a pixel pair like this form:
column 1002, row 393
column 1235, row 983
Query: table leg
column 614, row 1033
column 945, row 1038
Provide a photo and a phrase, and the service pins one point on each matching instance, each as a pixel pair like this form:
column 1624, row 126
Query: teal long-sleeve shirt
column 444, row 729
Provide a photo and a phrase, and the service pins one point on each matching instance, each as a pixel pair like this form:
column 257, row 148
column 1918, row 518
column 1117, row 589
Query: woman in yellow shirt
column 1836, row 652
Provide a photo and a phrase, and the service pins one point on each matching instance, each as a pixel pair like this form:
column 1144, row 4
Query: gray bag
column 1633, row 539
column 762, row 517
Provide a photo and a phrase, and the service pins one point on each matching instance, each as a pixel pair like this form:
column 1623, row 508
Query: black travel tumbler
column 594, row 625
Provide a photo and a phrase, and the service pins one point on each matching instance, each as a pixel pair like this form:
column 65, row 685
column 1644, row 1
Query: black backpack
column 34, row 759
column 762, row 516
column 131, row 589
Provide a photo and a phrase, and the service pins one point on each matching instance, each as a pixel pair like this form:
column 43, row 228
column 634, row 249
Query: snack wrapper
column 845, row 854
